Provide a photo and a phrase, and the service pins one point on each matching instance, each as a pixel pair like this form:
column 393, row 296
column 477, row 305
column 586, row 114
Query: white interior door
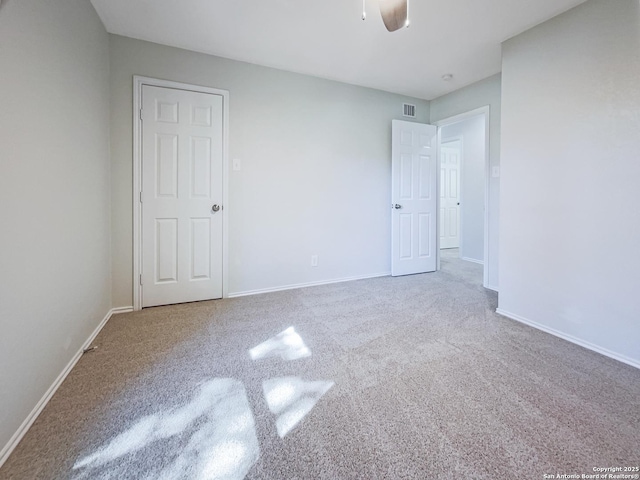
column 450, row 164
column 182, row 155
column 414, row 198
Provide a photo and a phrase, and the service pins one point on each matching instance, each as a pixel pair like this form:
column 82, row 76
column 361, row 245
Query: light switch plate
column 495, row 171
column 237, row 166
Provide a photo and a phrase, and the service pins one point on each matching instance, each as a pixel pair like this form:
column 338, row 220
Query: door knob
column 215, row 208
column 397, row 207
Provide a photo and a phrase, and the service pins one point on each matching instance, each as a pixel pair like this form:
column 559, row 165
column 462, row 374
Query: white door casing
column 450, row 165
column 486, row 113
column 414, row 198
column 182, row 170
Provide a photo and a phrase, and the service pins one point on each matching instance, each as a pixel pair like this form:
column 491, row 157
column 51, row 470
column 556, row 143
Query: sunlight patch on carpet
column 287, row 345
column 219, row 437
column 291, row 399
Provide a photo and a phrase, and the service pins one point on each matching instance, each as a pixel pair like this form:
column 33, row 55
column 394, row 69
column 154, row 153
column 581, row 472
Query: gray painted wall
column 479, row 94
column 472, row 184
column 316, row 168
column 569, row 257
column 55, row 285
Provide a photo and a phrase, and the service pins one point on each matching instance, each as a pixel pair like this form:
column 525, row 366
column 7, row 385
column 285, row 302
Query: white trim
column 491, row 287
column 439, row 173
column 479, row 262
column 570, row 338
column 138, row 83
column 307, row 284
column 24, row 428
column 118, row 310
column 486, row 111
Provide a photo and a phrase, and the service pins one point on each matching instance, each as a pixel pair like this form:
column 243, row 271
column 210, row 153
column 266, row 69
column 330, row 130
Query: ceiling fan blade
column 394, row 14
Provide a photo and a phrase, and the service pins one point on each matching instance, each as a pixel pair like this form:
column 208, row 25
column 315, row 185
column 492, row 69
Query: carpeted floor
column 410, row 377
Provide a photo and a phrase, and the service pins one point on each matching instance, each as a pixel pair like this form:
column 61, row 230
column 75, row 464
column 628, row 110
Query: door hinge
column 140, row 197
column 141, row 115
column 140, row 279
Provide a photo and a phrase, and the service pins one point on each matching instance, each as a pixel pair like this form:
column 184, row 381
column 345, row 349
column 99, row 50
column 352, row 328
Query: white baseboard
column 117, row 310
column 492, row 287
column 304, row 285
column 467, row 259
column 24, row 428
column 571, row 338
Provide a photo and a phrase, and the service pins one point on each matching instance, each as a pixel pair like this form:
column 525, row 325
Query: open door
column 414, row 198
column 450, row 165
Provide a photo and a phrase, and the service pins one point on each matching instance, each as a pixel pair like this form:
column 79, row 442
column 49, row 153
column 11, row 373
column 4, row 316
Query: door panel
column 200, row 249
column 406, row 235
column 406, row 175
column 167, row 166
column 425, row 177
column 200, row 167
column 450, row 165
column 413, row 231
column 181, row 181
column 424, row 236
column 166, row 247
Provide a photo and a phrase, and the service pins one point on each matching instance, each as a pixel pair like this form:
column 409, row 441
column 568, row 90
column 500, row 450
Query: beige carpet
column 411, row 377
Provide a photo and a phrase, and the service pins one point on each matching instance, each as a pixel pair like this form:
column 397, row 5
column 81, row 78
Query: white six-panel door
column 414, row 198
column 450, row 164
column 182, row 134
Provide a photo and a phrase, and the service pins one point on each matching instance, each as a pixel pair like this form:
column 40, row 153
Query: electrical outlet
column 314, row 260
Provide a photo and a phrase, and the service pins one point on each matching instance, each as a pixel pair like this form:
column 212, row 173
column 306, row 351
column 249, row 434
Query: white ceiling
column 328, row 39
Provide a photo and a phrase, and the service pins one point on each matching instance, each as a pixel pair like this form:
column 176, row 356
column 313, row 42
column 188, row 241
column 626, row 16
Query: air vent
column 409, row 110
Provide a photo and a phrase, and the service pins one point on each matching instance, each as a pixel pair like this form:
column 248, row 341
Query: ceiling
column 328, row 39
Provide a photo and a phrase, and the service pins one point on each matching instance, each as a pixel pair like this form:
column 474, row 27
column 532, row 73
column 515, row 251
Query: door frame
column 486, row 112
column 455, row 138
column 138, row 83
